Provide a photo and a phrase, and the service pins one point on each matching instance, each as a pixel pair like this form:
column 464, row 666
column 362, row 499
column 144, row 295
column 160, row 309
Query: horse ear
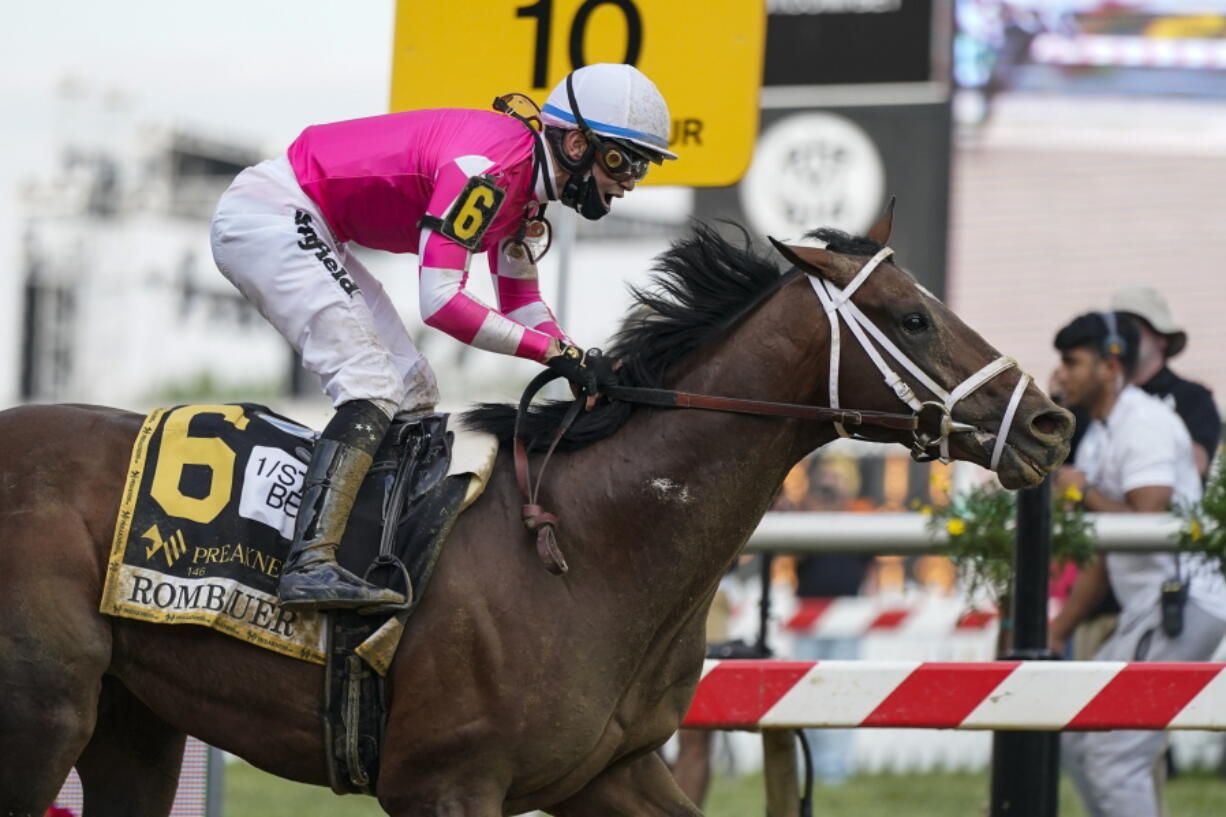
column 813, row 260
column 880, row 232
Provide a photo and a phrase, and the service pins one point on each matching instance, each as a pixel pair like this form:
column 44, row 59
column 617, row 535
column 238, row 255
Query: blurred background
column 1044, row 153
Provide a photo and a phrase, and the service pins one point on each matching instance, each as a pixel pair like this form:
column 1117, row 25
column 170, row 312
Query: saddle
column 400, row 520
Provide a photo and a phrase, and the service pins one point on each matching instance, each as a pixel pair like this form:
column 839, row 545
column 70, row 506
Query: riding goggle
column 618, row 161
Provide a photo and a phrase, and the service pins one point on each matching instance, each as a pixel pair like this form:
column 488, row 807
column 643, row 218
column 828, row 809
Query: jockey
column 443, row 184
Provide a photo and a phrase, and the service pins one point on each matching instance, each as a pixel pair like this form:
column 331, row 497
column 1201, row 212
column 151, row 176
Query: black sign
column 911, row 145
column 835, row 42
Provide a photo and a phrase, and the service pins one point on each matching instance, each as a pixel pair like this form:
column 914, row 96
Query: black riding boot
column 312, row 580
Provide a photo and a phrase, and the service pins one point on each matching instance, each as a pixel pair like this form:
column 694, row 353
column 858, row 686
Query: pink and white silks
column 375, row 178
column 282, row 233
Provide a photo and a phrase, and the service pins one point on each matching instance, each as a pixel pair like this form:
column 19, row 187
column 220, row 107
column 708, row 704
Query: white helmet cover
column 617, row 101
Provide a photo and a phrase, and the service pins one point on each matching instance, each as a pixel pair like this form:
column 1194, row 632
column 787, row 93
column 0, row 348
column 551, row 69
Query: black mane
column 841, row 242
column 700, row 287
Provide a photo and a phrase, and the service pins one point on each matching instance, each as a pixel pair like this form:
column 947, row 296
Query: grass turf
column 252, row 793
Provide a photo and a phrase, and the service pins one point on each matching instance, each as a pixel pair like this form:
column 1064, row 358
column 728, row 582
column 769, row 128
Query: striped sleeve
column 445, row 303
column 519, row 292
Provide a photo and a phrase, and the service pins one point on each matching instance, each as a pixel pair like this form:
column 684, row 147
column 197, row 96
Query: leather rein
column 930, row 422
column 539, row 521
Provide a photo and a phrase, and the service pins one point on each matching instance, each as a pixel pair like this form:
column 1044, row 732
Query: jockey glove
column 589, row 370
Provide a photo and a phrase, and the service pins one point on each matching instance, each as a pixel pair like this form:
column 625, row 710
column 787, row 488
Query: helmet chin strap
column 584, row 196
column 581, row 192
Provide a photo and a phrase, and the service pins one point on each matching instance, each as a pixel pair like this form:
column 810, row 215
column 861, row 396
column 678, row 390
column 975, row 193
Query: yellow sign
column 705, row 57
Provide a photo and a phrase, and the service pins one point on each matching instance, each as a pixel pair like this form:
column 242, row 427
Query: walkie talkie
column 1174, row 596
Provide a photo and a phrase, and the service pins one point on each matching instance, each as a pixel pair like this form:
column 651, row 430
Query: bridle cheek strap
column 836, row 302
column 1006, row 423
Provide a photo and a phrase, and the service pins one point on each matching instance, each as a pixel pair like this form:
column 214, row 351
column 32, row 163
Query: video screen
column 1091, row 46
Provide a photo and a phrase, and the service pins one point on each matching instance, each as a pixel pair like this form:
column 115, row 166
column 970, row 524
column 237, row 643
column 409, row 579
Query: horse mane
column 700, row 287
column 845, row 243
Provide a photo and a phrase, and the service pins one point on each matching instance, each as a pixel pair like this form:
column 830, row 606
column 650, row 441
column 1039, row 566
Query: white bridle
column 837, row 302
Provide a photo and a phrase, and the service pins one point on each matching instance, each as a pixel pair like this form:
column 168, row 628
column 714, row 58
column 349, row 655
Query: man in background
column 1136, row 457
column 1161, row 339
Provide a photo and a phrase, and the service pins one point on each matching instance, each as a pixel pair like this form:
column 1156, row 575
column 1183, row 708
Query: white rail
column 906, row 533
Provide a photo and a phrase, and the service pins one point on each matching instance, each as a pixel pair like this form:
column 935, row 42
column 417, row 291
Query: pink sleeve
column 519, row 292
column 445, row 304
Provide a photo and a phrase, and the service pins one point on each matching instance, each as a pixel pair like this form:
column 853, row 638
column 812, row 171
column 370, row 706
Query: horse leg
column 643, row 787
column 42, row 730
column 54, row 648
column 131, row 764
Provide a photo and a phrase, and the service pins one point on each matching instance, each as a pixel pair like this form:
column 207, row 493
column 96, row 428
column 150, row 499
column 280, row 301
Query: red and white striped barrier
column 1026, row 695
column 856, row 616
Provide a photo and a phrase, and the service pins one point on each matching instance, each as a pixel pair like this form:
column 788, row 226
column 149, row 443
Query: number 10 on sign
column 706, row 58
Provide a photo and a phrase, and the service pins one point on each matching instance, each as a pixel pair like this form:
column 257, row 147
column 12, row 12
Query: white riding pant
column 272, row 242
column 1113, row 771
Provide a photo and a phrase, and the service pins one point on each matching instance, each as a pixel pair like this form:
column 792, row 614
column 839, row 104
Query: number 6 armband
column 471, row 214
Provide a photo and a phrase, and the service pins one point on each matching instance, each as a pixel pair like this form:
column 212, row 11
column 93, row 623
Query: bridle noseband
column 934, row 421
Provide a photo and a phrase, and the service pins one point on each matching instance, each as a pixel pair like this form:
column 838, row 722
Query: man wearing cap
column 1136, row 457
column 443, row 184
column 1161, row 340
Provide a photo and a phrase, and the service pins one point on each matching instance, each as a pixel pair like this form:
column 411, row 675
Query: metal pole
column 1026, row 765
column 564, row 245
column 216, row 785
column 761, row 648
column 901, row 534
column 566, row 227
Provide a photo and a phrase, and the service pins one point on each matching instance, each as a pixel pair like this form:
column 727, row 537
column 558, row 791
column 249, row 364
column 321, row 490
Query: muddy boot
column 312, row 580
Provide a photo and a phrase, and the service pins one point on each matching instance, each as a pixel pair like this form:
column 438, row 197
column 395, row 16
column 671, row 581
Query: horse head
column 971, row 403
column 721, row 319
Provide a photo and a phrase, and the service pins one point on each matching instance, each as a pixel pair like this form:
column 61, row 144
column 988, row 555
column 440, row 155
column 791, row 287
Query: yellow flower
column 925, row 510
column 1194, row 530
column 938, row 478
column 1073, row 494
column 955, row 527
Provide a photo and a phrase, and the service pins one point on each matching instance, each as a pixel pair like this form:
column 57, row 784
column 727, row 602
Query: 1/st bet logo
column 284, row 481
column 272, row 488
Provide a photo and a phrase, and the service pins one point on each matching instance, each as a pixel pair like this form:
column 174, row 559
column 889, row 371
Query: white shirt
column 1144, row 443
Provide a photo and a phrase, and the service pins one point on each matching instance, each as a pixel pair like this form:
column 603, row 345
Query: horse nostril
column 1052, row 423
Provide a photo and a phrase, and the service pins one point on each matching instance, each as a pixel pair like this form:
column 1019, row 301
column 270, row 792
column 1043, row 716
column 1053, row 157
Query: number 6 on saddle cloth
column 205, row 524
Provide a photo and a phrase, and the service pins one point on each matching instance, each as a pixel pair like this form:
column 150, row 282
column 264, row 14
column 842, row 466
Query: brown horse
column 513, row 689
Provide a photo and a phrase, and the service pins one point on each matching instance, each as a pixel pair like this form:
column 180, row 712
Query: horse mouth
column 1020, row 469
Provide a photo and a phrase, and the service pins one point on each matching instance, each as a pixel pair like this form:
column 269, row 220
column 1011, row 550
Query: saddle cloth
column 207, row 514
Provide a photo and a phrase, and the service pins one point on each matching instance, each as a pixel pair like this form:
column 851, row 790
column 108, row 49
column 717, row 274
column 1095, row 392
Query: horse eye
column 915, row 322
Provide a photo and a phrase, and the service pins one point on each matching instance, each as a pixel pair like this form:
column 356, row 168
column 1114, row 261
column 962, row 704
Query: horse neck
column 707, row 477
